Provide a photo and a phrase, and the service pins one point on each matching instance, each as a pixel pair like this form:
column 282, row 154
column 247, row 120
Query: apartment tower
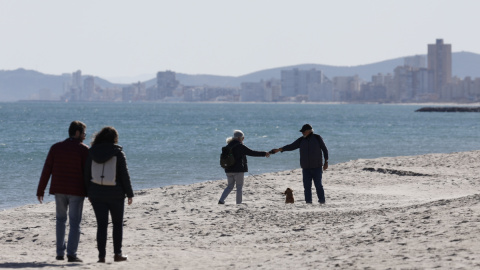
column 440, row 65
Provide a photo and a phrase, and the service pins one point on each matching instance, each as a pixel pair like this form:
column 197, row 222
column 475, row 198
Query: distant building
column 88, row 91
column 134, row 92
column 73, row 90
column 440, row 66
column 252, row 91
column 77, row 79
column 210, row 93
column 166, row 84
column 264, row 91
column 376, row 90
column 321, row 92
column 273, row 90
column 421, row 89
column 295, row 82
column 346, row 88
column 417, row 61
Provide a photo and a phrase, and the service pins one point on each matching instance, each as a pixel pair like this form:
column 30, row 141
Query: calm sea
column 178, row 144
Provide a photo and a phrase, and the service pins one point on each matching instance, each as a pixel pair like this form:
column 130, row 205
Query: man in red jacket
column 65, row 163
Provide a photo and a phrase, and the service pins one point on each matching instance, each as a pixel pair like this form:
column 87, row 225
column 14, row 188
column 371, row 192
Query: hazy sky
column 119, row 38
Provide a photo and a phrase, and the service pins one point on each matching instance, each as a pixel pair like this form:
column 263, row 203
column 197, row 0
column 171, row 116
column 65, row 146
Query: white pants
column 233, row 178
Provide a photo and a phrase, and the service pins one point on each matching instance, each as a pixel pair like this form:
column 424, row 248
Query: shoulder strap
column 231, row 148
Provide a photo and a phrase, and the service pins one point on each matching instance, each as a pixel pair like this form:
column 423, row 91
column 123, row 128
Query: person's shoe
column 119, row 258
column 220, row 202
column 59, row 258
column 309, row 202
column 101, row 260
column 73, row 259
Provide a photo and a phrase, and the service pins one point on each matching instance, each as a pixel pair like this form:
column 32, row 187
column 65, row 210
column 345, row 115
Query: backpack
column 226, row 157
column 105, row 173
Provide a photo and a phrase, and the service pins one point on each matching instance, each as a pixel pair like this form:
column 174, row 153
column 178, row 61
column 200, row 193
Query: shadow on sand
column 32, row 265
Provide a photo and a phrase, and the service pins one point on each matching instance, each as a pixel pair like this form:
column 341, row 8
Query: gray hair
column 237, row 135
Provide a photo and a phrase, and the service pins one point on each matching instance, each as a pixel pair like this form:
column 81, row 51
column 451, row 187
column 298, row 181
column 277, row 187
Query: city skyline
column 114, row 39
column 410, row 80
column 414, row 81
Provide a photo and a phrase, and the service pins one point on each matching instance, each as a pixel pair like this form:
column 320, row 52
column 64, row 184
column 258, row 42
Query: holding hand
column 274, row 151
column 267, row 154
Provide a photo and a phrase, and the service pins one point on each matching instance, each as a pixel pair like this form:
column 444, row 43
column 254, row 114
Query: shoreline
column 420, row 103
column 390, row 212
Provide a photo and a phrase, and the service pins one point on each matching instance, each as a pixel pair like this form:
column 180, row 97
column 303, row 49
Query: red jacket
column 65, row 163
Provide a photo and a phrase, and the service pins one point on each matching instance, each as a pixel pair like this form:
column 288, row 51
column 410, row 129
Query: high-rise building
column 295, row 82
column 252, row 91
column 417, row 61
column 440, row 65
column 88, row 88
column 77, row 79
column 166, row 84
column 346, row 88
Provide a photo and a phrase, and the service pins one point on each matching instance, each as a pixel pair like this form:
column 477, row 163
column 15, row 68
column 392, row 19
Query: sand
column 413, row 212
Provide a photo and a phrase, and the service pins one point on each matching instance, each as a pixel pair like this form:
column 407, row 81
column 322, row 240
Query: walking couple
column 99, row 173
column 311, row 147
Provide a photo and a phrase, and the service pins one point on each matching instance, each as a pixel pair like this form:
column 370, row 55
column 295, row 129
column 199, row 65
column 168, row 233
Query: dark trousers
column 102, row 207
column 316, row 175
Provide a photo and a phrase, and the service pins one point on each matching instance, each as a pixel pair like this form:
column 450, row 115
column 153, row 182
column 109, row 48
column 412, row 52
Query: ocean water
column 178, row 144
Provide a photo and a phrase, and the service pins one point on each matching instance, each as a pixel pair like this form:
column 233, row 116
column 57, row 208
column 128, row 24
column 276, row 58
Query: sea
column 180, row 143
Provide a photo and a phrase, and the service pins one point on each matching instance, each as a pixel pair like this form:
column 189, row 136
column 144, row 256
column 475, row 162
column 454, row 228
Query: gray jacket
column 311, row 149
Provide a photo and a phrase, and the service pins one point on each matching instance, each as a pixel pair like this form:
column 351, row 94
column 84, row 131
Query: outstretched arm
column 253, row 153
column 288, row 147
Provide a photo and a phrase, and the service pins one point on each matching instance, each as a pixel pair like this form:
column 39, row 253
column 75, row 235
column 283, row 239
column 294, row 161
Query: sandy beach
column 412, row 212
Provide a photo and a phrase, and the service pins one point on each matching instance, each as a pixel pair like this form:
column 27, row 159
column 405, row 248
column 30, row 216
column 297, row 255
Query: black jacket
column 311, row 149
column 101, row 153
column 240, row 153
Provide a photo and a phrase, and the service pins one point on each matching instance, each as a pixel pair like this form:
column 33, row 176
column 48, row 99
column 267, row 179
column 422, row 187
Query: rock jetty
column 449, row 109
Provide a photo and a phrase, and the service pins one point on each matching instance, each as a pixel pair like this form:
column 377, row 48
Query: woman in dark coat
column 108, row 183
column 235, row 173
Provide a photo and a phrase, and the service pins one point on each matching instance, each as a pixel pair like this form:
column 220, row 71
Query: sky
column 132, row 40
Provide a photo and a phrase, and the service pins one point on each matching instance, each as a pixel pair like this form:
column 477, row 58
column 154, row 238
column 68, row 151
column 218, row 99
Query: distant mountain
column 464, row 64
column 365, row 72
column 22, row 84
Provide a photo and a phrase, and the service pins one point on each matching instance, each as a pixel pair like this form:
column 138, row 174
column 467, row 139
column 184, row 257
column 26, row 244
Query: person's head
column 77, row 130
column 106, row 135
column 237, row 135
column 306, row 130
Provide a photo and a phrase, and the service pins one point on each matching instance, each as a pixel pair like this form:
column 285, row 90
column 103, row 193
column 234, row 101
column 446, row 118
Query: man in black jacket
column 311, row 147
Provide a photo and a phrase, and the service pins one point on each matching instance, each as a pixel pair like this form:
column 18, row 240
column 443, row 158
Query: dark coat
column 240, row 153
column 65, row 163
column 311, row 148
column 101, row 153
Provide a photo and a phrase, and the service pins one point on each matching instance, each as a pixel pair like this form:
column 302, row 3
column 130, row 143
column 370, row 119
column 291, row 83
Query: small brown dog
column 289, row 196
